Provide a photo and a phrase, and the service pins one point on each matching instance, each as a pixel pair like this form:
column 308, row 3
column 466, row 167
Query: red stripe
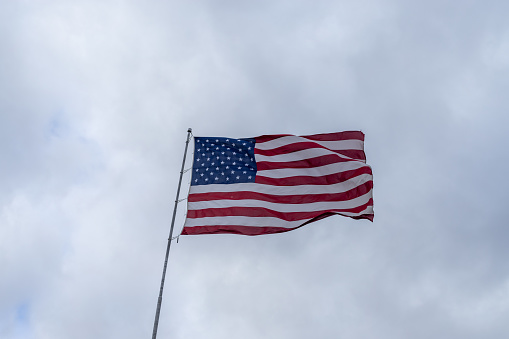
column 265, row 212
column 265, row 138
column 283, row 199
column 300, row 146
column 357, row 135
column 329, row 214
column 370, row 217
column 233, row 229
column 307, row 180
column 307, row 163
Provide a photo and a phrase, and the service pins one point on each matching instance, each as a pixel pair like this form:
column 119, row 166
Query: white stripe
column 312, row 171
column 349, row 144
column 243, row 221
column 286, row 208
column 284, row 190
column 300, row 155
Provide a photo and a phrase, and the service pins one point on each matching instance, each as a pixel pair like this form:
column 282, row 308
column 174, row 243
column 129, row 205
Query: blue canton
column 223, row 161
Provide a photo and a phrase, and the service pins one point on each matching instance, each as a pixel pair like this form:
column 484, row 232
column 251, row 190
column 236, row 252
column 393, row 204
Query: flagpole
column 160, row 299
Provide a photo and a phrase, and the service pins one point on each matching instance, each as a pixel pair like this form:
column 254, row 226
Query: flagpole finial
column 189, row 130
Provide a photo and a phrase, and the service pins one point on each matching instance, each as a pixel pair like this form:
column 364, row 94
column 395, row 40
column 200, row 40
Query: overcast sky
column 95, row 101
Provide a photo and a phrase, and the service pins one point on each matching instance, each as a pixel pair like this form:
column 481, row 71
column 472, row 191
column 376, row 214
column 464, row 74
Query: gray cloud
column 96, row 98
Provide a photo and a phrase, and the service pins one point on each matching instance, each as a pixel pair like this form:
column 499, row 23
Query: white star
column 207, row 140
column 206, row 179
column 222, row 173
column 228, row 158
column 206, row 169
column 227, row 179
column 198, row 159
column 201, row 174
column 208, row 159
column 217, row 178
column 240, row 159
column 238, row 177
column 217, row 140
column 217, row 168
column 222, row 162
column 239, row 167
column 244, row 172
column 234, row 163
column 233, row 172
column 249, row 177
column 234, row 153
column 195, row 180
column 227, row 167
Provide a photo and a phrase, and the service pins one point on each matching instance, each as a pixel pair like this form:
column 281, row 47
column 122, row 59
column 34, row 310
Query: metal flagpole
column 160, row 300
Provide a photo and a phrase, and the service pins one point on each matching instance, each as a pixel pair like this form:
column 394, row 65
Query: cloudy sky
column 95, row 101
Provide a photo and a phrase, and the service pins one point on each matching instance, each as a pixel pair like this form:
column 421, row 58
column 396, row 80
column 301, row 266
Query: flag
column 277, row 183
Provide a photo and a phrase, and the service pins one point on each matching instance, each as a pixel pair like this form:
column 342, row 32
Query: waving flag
column 277, row 183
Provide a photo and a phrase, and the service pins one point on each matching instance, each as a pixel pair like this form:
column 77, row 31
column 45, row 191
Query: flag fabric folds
column 277, row 183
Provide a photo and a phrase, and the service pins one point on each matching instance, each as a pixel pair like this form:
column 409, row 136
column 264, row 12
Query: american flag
column 277, row 183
